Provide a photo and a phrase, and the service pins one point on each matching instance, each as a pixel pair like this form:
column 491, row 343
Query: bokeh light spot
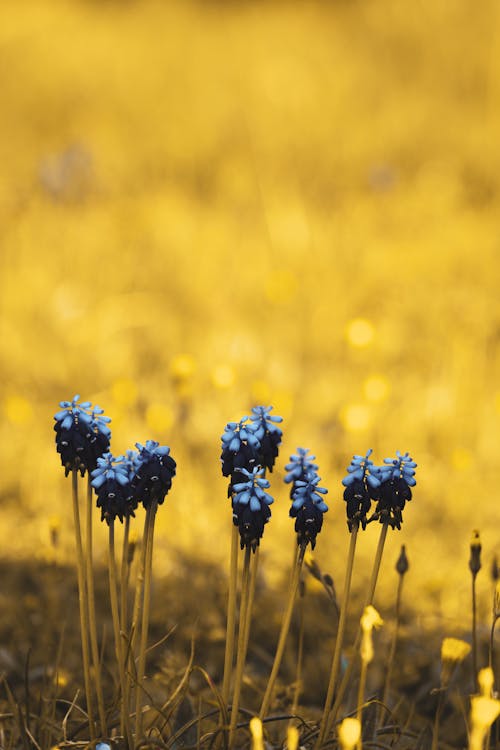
column 159, row 417
column 376, row 388
column 223, row 376
column 182, row 366
column 18, row 410
column 355, row 417
column 124, row 392
column 360, row 332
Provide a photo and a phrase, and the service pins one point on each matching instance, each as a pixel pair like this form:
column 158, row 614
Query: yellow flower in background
column 256, row 732
column 376, row 388
column 160, row 417
column 355, row 417
column 486, row 680
column 349, row 733
column 124, row 392
column 223, row 376
column 483, row 713
column 18, row 410
column 454, row 649
column 369, row 619
column 359, row 333
column 292, row 738
column 182, row 366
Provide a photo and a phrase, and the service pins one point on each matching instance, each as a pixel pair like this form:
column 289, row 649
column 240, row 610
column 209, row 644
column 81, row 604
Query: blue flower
column 112, row 481
column 361, row 487
column 240, row 449
column 308, row 506
column 154, row 473
column 251, row 506
column 397, row 475
column 300, row 464
column 82, row 436
column 268, row 434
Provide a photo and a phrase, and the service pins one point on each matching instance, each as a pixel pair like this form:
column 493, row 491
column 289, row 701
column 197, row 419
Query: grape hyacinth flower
column 267, row 433
column 300, row 464
column 396, row 477
column 308, row 508
column 112, row 483
column 82, row 436
column 240, row 446
column 155, row 470
column 361, row 487
column 251, row 506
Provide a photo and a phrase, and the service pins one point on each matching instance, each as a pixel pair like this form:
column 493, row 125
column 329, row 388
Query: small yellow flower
column 256, row 732
column 369, row 619
column 454, row 649
column 349, row 733
column 483, row 713
column 292, row 738
column 486, row 681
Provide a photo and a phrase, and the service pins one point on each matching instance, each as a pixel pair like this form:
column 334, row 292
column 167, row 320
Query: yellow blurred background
column 210, row 205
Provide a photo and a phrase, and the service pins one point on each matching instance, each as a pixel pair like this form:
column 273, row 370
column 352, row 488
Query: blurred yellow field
column 206, row 206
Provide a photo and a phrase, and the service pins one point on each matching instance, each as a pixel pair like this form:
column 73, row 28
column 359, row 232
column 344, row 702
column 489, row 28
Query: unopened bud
column 402, row 564
column 475, row 553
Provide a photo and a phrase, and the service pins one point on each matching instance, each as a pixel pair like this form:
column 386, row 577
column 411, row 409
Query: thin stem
column 141, row 666
column 474, row 635
column 240, row 661
column 138, row 599
column 392, row 652
column 285, row 627
column 437, row 719
column 84, row 625
column 91, row 607
column 361, row 700
column 231, row 616
column 300, row 654
column 254, row 564
column 334, row 672
column 124, row 576
column 369, row 600
column 113, row 596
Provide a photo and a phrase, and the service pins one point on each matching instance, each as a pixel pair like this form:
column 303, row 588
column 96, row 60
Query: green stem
column 334, row 672
column 474, row 635
column 300, row 655
column 240, row 661
column 124, row 576
column 231, row 616
column 84, row 625
column 254, row 565
column 137, row 610
column 91, row 607
column 141, row 667
column 285, row 627
column 113, row 596
column 369, row 600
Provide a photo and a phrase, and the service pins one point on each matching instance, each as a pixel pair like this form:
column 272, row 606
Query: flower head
column 267, row 433
column 154, row 473
column 396, row 476
column 112, row 481
column 251, row 506
column 240, row 446
column 82, row 435
column 361, row 487
column 308, row 505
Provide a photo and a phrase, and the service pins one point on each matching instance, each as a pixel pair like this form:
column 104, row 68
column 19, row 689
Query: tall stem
column 240, row 658
column 392, row 652
column 334, row 672
column 231, row 616
column 285, row 627
column 84, row 625
column 124, row 576
column 361, row 700
column 369, row 600
column 138, row 598
column 254, row 566
column 474, row 634
column 91, row 606
column 113, row 596
column 141, row 667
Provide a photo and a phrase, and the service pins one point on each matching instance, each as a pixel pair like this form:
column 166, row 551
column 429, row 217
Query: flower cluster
column 397, row 476
column 121, row 483
column 388, row 485
column 82, row 435
column 308, row 506
column 251, row 506
column 249, row 447
column 361, row 485
column 112, row 481
column 153, row 477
